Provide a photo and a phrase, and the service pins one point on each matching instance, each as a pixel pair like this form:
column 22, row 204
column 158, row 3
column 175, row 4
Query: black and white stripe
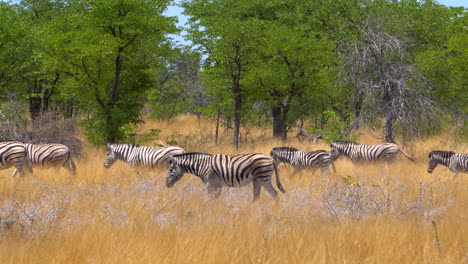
column 51, row 156
column 300, row 159
column 454, row 161
column 226, row 170
column 136, row 155
column 13, row 153
column 357, row 152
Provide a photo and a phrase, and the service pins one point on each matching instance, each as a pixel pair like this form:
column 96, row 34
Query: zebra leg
column 218, row 192
column 67, row 167
column 70, row 166
column 257, row 188
column 213, row 185
column 325, row 171
column 213, row 189
column 270, row 189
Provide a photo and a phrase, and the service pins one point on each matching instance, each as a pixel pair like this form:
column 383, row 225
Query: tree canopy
column 399, row 66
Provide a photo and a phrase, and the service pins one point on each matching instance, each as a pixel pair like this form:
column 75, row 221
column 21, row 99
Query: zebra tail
column 278, row 182
column 408, row 156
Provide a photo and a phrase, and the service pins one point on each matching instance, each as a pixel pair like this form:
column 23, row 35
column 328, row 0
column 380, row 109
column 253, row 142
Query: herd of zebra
column 219, row 170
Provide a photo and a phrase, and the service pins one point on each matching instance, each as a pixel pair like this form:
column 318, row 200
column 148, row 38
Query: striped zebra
column 136, row 155
column 454, row 161
column 300, row 159
column 50, row 156
column 226, row 170
column 357, row 152
column 13, row 153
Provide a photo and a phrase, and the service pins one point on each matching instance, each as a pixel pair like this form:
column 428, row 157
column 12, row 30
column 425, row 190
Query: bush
column 51, row 127
column 334, row 129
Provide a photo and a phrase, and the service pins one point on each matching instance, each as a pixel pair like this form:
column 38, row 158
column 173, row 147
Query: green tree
column 111, row 50
column 224, row 31
column 15, row 49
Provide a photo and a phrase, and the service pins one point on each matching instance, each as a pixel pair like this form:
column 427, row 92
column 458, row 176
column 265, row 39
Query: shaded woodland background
column 323, row 67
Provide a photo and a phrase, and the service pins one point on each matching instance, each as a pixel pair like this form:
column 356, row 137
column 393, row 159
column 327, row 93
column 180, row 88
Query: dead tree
column 385, row 83
column 302, row 134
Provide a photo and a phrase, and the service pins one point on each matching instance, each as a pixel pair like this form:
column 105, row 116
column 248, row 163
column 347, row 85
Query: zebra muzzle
column 170, row 183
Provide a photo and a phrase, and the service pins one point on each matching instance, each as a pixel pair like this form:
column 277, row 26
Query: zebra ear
column 430, row 154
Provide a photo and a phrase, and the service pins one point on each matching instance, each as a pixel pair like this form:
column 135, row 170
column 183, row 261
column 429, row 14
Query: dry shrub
column 51, row 127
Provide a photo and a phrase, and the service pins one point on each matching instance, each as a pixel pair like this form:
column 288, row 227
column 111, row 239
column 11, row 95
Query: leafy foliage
column 253, row 62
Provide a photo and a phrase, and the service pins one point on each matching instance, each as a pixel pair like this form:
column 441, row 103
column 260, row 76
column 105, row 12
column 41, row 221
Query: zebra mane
column 191, row 154
column 441, row 153
column 285, row 148
column 343, row 142
column 116, row 145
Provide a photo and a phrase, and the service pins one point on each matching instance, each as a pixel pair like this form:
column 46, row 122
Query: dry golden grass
column 361, row 214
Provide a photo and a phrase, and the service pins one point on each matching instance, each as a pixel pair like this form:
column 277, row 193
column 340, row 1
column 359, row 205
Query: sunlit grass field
column 360, row 214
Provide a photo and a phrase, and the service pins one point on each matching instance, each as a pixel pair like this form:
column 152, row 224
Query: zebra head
column 111, row 157
column 282, row 154
column 339, row 148
column 438, row 157
column 174, row 173
column 195, row 163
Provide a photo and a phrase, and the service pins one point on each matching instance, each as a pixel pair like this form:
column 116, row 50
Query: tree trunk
column 284, row 132
column 217, row 126
column 389, row 115
column 278, row 122
column 69, row 109
column 35, row 100
column 389, row 128
column 110, row 134
column 45, row 100
column 357, row 105
column 237, row 118
column 48, row 93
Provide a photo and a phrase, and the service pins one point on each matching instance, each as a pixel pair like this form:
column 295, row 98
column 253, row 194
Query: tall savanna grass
column 361, row 214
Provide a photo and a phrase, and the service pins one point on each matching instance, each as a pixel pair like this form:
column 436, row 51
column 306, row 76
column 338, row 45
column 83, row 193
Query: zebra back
column 238, row 170
column 316, row 159
column 301, row 158
column 357, row 152
column 156, row 157
column 48, row 155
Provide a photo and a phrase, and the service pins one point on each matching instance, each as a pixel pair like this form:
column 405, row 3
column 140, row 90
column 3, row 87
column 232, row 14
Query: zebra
column 13, row 153
column 454, row 161
column 226, row 170
column 357, row 152
column 50, row 155
column 136, row 155
column 303, row 159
